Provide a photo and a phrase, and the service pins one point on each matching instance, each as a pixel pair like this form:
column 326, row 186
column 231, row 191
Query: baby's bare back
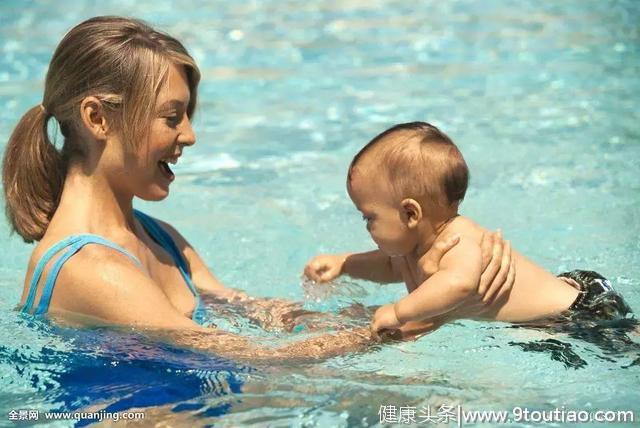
column 536, row 293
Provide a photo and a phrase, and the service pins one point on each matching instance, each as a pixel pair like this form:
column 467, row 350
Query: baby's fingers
column 313, row 270
column 328, row 273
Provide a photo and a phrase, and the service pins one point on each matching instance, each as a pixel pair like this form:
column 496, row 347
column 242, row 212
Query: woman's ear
column 93, row 118
column 412, row 212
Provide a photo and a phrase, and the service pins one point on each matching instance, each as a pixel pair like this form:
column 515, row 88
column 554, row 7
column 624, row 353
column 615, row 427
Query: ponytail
column 121, row 61
column 33, row 173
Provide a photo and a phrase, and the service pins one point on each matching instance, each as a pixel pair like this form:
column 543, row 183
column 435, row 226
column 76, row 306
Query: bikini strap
column 37, row 272
column 73, row 244
column 164, row 239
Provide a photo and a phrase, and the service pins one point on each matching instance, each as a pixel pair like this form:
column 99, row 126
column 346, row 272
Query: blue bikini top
column 74, row 243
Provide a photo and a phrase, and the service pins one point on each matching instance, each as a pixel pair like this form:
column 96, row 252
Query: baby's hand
column 384, row 319
column 325, row 267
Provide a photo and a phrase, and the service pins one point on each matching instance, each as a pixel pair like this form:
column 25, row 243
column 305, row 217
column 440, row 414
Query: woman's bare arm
column 248, row 350
column 122, row 294
column 272, row 314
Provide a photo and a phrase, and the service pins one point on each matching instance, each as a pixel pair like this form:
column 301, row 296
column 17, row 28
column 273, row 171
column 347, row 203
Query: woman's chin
column 156, row 193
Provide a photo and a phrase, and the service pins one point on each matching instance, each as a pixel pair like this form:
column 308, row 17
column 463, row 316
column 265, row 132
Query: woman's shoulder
column 86, row 264
column 54, row 245
column 107, row 285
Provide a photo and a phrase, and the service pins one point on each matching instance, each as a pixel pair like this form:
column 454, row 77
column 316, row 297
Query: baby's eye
column 365, row 218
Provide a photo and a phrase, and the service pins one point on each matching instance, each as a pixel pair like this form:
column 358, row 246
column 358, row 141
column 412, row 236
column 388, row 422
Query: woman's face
column 149, row 167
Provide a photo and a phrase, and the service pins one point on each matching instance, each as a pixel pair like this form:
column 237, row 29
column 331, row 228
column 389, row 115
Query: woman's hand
column 325, row 267
column 498, row 269
column 497, row 278
column 437, row 251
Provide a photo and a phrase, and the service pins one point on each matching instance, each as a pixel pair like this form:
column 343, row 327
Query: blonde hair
column 121, row 61
column 418, row 161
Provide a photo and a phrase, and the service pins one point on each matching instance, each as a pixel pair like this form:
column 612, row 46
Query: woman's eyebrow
column 172, row 104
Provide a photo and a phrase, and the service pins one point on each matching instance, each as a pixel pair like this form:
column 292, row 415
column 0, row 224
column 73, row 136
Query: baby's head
column 408, row 179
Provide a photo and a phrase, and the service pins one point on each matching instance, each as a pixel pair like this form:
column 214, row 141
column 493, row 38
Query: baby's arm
column 372, row 266
column 456, row 280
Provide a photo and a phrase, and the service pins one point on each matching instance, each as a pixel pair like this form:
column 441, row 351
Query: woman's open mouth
column 166, row 171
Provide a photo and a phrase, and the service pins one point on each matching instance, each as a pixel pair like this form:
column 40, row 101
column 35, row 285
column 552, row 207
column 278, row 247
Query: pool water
column 542, row 99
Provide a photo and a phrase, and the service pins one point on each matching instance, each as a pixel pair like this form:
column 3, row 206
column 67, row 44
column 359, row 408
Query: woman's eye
column 172, row 120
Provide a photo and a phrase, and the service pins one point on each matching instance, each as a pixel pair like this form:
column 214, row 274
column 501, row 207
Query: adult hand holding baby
column 497, row 278
column 496, row 281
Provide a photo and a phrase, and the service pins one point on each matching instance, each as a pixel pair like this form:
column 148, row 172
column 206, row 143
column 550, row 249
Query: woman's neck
column 90, row 204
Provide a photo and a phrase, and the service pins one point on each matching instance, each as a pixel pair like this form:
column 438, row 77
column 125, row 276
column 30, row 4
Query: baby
column 408, row 183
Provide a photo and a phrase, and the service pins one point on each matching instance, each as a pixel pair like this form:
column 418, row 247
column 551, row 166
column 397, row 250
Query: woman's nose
column 187, row 136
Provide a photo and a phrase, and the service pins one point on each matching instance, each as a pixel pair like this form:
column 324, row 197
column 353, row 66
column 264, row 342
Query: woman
column 96, row 256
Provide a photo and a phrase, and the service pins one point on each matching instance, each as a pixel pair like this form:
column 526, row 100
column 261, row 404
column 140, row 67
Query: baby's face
column 383, row 215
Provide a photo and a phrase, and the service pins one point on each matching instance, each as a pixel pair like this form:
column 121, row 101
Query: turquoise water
column 541, row 97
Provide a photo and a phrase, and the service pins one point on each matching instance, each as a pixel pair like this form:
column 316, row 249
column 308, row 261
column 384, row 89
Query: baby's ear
column 412, row 212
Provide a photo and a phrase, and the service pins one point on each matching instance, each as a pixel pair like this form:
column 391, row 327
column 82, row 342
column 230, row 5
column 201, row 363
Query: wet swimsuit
column 597, row 300
column 72, row 244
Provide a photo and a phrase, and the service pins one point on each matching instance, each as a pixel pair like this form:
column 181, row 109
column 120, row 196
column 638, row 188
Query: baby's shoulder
column 466, row 228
